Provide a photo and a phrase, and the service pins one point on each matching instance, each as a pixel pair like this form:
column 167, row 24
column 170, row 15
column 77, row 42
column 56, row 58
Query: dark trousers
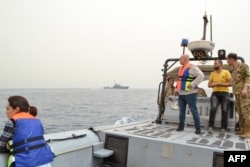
column 191, row 100
column 217, row 98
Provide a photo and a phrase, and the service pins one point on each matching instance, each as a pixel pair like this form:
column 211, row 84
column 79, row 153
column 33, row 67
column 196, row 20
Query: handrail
column 66, row 138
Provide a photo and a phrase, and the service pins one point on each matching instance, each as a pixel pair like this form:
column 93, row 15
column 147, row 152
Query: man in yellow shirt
column 220, row 80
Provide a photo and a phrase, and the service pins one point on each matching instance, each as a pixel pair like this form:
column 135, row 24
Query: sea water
column 73, row 109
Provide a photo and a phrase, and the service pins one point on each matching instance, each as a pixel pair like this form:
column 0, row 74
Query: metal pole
column 211, row 33
column 205, row 26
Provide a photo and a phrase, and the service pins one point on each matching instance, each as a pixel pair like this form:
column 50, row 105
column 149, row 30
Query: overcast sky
column 92, row 43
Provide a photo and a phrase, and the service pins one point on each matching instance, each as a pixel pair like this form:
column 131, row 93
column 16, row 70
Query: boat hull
column 147, row 144
column 144, row 144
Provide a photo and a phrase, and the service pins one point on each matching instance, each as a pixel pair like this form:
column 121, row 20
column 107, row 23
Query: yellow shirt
column 222, row 78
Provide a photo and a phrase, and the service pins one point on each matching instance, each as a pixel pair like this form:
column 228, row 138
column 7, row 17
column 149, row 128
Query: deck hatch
column 119, row 145
column 218, row 159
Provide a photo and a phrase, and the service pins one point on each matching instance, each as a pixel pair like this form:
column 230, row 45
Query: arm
column 227, row 84
column 195, row 71
column 246, row 73
column 210, row 84
column 6, row 135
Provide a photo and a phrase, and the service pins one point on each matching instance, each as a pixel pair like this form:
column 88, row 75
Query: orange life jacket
column 184, row 77
column 22, row 115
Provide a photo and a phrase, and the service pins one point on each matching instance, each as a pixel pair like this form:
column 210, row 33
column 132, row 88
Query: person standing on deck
column 219, row 80
column 241, row 84
column 189, row 77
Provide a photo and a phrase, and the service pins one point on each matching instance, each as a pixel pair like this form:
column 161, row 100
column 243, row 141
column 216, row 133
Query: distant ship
column 116, row 86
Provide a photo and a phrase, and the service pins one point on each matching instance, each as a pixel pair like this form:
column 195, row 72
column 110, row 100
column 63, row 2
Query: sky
column 94, row 43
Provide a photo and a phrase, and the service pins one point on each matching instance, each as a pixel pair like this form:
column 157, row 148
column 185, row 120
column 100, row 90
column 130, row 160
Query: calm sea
column 72, row 109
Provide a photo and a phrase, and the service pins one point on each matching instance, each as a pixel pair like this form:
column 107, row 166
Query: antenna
column 205, row 25
column 211, row 32
column 205, row 5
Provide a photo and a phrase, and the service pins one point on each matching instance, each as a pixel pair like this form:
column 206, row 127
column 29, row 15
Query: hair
column 33, row 111
column 23, row 104
column 169, row 78
column 220, row 61
column 232, row 56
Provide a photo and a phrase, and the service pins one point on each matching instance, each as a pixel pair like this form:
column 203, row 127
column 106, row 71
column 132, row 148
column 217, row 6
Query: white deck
column 167, row 133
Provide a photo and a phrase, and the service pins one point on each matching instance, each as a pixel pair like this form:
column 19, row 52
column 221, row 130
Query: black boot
column 198, row 131
column 180, row 128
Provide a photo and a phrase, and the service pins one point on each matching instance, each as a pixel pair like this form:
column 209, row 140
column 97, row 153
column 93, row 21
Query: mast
column 211, row 34
column 204, row 26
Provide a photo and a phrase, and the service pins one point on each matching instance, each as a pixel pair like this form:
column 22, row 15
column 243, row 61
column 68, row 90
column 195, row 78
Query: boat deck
column 167, row 133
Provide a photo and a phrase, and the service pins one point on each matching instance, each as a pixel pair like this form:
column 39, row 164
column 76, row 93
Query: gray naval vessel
column 153, row 143
column 116, row 86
